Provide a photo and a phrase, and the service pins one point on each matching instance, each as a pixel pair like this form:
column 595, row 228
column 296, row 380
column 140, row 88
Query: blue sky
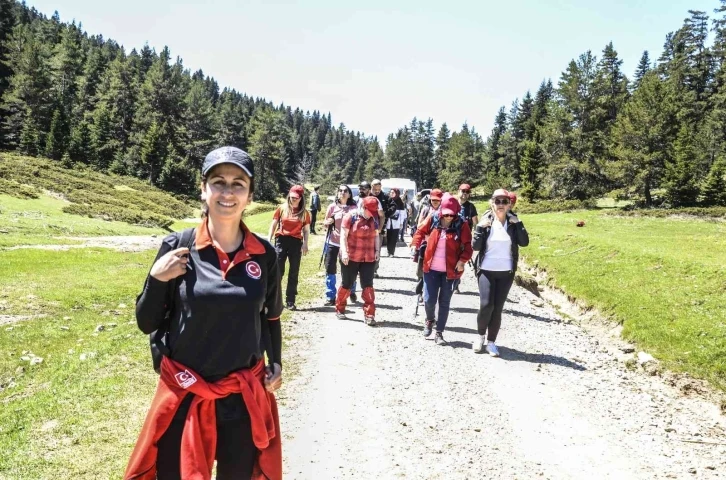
column 376, row 64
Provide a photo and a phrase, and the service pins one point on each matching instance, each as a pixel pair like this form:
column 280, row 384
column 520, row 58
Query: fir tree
column 644, row 67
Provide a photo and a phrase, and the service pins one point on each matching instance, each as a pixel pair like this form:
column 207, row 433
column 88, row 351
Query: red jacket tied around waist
column 199, row 439
column 458, row 245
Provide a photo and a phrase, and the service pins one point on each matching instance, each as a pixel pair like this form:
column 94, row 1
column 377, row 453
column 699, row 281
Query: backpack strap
column 159, row 339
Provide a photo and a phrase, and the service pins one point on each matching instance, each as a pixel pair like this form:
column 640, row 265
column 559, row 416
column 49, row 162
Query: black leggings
column 391, row 240
column 236, row 452
column 289, row 248
column 353, row 269
column 493, row 290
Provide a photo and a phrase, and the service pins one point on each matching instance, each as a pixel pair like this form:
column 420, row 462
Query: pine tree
column 55, row 144
column 643, row 136
column 644, row 67
column 679, row 179
column 267, row 148
column 7, row 21
column 29, row 141
column 178, row 175
column 153, row 152
column 442, row 145
column 199, row 123
column 714, row 188
column 81, row 148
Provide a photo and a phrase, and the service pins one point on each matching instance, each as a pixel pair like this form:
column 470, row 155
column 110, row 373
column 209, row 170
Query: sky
column 375, row 65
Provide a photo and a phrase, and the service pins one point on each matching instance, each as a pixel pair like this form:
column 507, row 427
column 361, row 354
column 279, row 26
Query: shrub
column 112, row 212
column 18, row 190
column 545, row 206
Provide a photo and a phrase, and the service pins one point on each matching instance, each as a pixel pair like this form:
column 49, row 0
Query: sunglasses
column 342, row 190
column 466, row 191
column 501, row 201
column 448, row 216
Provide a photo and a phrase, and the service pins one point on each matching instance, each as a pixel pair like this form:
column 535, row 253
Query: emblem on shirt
column 254, row 270
column 185, row 379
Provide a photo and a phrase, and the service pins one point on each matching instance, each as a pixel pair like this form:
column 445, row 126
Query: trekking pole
column 325, row 245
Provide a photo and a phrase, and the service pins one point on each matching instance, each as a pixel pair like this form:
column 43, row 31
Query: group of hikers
column 212, row 301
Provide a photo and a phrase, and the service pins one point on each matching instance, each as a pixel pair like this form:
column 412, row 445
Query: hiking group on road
column 213, row 299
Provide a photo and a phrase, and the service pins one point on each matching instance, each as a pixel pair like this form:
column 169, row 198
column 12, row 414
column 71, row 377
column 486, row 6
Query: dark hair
column 350, row 201
column 205, row 207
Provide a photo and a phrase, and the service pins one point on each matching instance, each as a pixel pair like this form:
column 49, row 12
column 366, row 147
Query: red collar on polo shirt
column 250, row 246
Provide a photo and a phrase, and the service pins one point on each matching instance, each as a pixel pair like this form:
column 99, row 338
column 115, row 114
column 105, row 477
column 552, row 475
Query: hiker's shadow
column 513, row 355
column 539, row 318
column 396, row 290
column 407, row 279
column 464, row 310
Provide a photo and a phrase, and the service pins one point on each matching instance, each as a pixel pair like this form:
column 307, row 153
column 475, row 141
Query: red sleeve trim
column 273, row 319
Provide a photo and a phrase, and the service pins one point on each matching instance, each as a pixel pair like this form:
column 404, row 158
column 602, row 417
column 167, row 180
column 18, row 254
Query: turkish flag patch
column 253, row 270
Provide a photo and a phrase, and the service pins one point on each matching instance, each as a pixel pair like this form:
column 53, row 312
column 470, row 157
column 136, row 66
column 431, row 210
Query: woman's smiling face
column 226, row 191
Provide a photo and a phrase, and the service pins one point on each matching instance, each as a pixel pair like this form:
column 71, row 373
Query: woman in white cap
column 447, row 251
column 497, row 238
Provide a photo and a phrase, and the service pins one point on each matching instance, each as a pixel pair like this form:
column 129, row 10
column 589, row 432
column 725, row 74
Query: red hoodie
column 199, row 439
column 457, row 249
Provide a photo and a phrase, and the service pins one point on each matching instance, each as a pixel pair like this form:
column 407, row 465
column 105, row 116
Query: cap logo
column 253, row 270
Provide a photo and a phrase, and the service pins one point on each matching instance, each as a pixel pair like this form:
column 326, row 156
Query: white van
column 405, row 186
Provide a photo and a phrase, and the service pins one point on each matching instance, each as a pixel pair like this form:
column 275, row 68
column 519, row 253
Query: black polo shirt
column 227, row 310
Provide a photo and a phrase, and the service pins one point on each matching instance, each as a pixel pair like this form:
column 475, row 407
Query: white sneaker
column 341, row 316
column 492, row 349
column 478, row 345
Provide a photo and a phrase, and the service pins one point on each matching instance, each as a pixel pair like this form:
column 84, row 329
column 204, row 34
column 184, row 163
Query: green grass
column 91, row 193
column 68, row 418
column 664, row 279
column 41, row 221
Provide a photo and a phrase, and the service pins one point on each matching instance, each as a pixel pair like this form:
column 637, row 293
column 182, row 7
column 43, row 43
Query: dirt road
column 384, row 403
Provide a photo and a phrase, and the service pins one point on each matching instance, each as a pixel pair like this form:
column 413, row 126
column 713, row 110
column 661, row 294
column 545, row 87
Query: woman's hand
column 305, row 248
column 273, row 379
column 460, row 266
column 328, row 221
column 344, row 258
column 378, row 255
column 485, row 223
column 171, row 265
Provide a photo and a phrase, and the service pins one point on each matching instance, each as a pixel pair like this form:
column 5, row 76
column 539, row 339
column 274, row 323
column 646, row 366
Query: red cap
column 512, row 198
column 464, row 186
column 297, row 191
column 370, row 204
column 436, row 193
column 450, row 205
column 500, row 192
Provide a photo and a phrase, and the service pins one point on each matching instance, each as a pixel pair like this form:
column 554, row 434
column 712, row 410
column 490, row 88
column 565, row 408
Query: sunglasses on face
column 501, row 201
column 448, row 216
column 466, row 192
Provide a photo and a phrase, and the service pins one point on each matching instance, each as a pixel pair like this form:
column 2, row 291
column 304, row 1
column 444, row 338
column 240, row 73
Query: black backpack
column 159, row 339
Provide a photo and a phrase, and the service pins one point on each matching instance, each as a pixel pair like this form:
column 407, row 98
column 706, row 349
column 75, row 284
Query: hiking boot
column 290, row 306
column 375, row 275
column 456, row 290
column 353, row 297
column 370, row 321
column 329, row 302
column 439, row 339
column 478, row 345
column 428, row 327
column 492, row 349
column 340, row 316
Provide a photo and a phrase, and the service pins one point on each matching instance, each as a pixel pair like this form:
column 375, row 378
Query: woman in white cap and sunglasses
column 497, row 238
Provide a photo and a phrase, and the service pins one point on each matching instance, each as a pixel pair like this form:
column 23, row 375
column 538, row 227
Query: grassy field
column 664, row 279
column 77, row 413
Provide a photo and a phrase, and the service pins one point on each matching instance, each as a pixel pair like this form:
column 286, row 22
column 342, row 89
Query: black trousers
column 289, row 248
column 236, row 452
column 493, row 290
column 331, row 260
column 391, row 240
column 353, row 269
column 313, row 215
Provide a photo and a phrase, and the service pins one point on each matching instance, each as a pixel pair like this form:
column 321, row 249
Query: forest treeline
column 658, row 138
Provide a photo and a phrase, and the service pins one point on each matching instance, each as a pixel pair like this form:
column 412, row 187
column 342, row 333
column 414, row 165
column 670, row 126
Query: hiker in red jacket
column 220, row 302
column 447, row 251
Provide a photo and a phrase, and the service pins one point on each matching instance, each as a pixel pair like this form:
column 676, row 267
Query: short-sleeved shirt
column 468, row 212
column 361, row 237
column 337, row 211
column 291, row 225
